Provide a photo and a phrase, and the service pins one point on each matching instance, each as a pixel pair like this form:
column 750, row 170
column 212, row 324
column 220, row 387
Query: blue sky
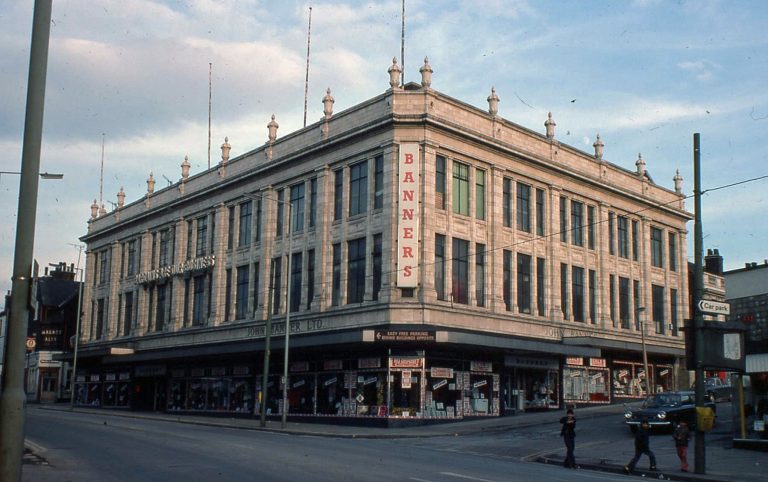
column 644, row 74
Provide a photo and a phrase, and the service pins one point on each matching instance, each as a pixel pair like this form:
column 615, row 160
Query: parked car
column 716, row 389
column 664, row 410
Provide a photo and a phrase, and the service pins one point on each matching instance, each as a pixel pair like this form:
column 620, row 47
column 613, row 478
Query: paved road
column 91, row 444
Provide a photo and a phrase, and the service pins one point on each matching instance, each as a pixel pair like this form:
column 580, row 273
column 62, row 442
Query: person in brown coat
column 682, row 435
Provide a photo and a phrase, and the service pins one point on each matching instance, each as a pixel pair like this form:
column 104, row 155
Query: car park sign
column 714, row 307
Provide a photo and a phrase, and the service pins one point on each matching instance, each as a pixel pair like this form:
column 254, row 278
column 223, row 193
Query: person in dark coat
column 682, row 435
column 568, row 432
column 642, row 446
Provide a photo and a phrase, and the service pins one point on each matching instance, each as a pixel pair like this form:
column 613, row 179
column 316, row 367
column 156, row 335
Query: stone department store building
column 444, row 263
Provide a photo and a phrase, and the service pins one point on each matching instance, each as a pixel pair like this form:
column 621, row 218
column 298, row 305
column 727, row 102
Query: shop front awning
column 619, row 345
column 519, row 344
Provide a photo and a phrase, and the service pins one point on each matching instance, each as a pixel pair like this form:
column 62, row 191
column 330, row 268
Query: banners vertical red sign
column 408, row 216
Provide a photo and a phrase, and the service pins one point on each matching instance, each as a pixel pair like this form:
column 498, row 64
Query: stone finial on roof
column 94, row 210
column 102, row 210
column 225, row 148
column 550, row 124
column 426, row 73
column 328, row 101
column 394, row 74
column 640, row 163
column 120, row 198
column 493, row 102
column 272, row 126
column 185, row 168
column 678, row 179
column 150, row 184
column 598, row 145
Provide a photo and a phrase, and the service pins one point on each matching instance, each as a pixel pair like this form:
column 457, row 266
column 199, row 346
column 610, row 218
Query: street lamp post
column 640, row 310
column 12, row 398
column 287, row 316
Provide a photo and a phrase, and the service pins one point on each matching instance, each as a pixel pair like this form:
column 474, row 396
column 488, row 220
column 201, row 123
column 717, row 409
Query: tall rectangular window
column 523, row 283
column 623, row 228
column 160, row 313
column 672, row 252
column 540, row 220
column 440, row 182
column 312, row 202
column 256, row 288
column 227, row 294
column 297, row 208
column 100, row 318
column 577, row 222
column 202, row 237
column 295, row 281
column 524, row 207
column 336, row 281
column 131, row 258
column 310, row 278
column 673, row 311
column 611, row 233
column 165, row 241
column 461, row 188
column 358, row 188
column 190, row 238
column 244, row 231
column 241, row 293
column 657, row 298
column 377, row 266
column 198, row 300
column 280, row 218
column 258, row 219
column 480, row 274
column 230, row 227
column 440, row 266
column 356, row 271
column 378, row 182
column 460, row 281
column 541, row 283
column 563, row 220
column 624, row 315
column 277, row 291
column 591, row 227
column 507, row 202
column 636, row 296
column 592, row 296
column 612, row 298
column 634, row 241
column 507, row 281
column 103, row 266
column 577, row 285
column 338, row 193
column 564, row 290
column 212, row 234
column 128, row 320
column 479, row 194
column 657, row 248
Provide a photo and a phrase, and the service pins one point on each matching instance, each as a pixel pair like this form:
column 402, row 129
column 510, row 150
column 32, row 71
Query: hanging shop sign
column 439, row 384
column 438, row 372
column 530, row 362
column 406, row 383
column 403, row 362
column 574, row 360
column 598, row 362
column 369, row 362
column 480, row 366
column 404, row 336
column 408, row 216
column 332, row 365
column 176, row 269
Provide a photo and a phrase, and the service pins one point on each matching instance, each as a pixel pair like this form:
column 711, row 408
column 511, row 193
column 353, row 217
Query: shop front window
column 240, row 395
column 301, row 393
column 406, row 392
column 628, row 379
column 177, row 395
column 441, row 395
column 369, row 395
column 331, row 394
column 586, row 384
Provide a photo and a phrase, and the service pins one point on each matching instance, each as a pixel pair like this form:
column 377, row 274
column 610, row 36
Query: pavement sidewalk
column 724, row 463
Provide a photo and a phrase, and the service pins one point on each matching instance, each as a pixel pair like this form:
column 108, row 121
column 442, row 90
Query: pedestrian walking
column 682, row 435
column 568, row 432
column 642, row 446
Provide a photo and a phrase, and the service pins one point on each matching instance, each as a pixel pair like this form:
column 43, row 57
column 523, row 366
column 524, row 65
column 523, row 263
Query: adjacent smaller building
column 747, row 293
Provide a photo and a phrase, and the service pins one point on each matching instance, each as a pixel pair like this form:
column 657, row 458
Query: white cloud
column 702, row 70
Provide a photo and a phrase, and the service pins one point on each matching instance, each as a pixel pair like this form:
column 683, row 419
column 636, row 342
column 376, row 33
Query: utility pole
column 12, row 396
column 698, row 319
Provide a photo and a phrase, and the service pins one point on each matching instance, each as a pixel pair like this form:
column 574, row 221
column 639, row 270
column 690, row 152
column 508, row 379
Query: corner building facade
column 433, row 259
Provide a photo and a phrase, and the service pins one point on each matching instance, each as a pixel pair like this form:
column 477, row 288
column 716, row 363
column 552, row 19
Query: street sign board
column 714, row 307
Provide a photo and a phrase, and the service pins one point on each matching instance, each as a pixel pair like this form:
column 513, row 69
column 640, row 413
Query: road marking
column 460, row 476
column 536, row 455
column 37, row 448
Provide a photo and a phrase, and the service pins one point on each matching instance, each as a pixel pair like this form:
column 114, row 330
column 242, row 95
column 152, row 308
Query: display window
column 331, row 393
column 177, row 394
column 586, row 384
column 540, row 389
column 663, row 377
column 301, row 393
column 123, row 387
column 628, row 379
column 369, row 393
column 240, row 395
column 441, row 393
column 406, row 392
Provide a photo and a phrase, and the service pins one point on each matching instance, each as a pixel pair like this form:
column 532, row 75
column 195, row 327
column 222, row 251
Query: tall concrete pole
column 698, row 292
column 12, row 397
